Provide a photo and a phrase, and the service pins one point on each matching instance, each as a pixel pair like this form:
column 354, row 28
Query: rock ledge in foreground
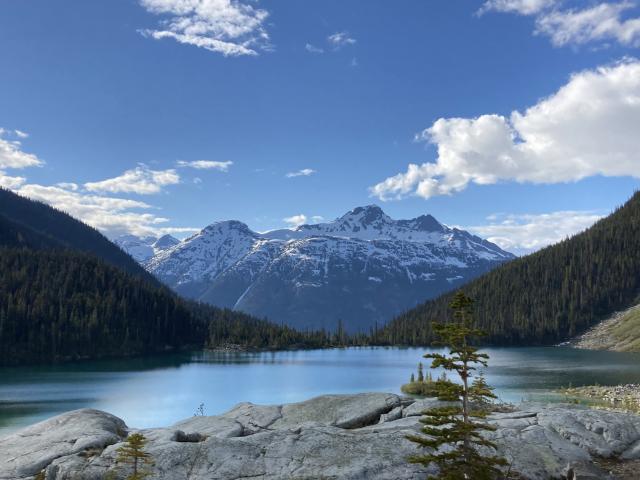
column 348, row 437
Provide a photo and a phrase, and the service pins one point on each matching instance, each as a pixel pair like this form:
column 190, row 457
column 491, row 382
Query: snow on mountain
column 363, row 268
column 143, row 248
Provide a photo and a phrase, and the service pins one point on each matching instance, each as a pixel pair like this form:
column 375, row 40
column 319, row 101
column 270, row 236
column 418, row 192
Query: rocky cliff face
column 363, row 268
column 351, row 437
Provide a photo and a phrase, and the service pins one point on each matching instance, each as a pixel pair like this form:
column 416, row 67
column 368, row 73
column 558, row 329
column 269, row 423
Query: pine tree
column 132, row 452
column 413, row 378
column 420, row 372
column 458, row 428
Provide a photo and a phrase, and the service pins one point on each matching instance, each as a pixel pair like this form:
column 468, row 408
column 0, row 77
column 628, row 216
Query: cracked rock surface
column 328, row 437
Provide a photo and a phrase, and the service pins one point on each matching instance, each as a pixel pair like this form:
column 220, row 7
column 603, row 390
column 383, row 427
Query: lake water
column 158, row 391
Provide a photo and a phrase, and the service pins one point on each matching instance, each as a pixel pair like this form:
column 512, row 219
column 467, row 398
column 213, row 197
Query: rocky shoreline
column 624, row 398
column 617, row 333
column 351, row 437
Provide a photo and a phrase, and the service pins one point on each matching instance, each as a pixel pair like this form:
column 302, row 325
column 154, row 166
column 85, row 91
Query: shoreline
column 621, row 398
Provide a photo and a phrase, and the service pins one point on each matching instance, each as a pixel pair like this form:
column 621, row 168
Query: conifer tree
column 458, row 428
column 420, row 372
column 133, row 453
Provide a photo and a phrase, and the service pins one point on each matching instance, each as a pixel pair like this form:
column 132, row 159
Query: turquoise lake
column 160, row 390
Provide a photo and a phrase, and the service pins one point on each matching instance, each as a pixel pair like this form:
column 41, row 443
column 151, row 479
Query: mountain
column 143, row 248
column 32, row 224
column 548, row 296
column 67, row 293
column 363, row 268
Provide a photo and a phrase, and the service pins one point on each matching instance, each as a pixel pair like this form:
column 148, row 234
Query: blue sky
column 338, row 91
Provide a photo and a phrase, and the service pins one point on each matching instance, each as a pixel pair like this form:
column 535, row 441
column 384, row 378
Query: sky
column 518, row 120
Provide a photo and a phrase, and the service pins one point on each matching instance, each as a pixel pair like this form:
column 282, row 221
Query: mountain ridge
column 361, row 269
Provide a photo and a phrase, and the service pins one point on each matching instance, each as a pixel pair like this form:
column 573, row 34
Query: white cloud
column 11, row 154
column 302, row 219
column 589, row 127
column 340, row 39
column 112, row 216
column 68, row 186
column 313, row 49
column 140, row 180
column 305, row 172
column 206, row 165
column 600, row 22
column 296, row 220
column 229, row 27
column 7, row 181
column 522, row 234
column 522, row 7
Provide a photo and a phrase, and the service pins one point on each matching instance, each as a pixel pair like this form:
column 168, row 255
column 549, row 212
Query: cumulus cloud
column 10, row 182
column 522, row 234
column 313, row 49
column 229, row 27
column 296, row 220
column 305, row 172
column 206, row 165
column 140, row 180
column 112, row 216
column 11, row 153
column 589, row 127
column 340, row 39
column 600, row 22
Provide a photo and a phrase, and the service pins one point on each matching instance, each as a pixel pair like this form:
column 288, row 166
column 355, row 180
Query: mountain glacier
column 363, row 268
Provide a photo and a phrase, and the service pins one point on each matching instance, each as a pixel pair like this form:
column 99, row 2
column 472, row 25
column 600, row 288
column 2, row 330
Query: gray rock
column 601, row 433
column 343, row 411
column 586, row 471
column 27, row 452
column 394, row 414
column 419, row 406
column 328, row 437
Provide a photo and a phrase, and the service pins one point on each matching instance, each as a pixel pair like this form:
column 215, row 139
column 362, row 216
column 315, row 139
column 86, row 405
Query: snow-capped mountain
column 363, row 268
column 143, row 248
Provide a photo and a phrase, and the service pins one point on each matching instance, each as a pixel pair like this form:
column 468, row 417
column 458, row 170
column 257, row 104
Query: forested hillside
column 58, row 305
column 548, row 296
column 37, row 225
column 61, row 305
column 67, row 293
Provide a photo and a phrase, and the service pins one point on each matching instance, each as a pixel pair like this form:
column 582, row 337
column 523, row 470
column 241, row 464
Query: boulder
column 27, row 452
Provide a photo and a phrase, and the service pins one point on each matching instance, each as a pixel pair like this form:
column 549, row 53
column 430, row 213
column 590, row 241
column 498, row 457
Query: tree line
column 548, row 296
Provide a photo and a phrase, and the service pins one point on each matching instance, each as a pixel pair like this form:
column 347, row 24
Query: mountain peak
column 428, row 223
column 366, row 215
column 227, row 225
column 165, row 241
